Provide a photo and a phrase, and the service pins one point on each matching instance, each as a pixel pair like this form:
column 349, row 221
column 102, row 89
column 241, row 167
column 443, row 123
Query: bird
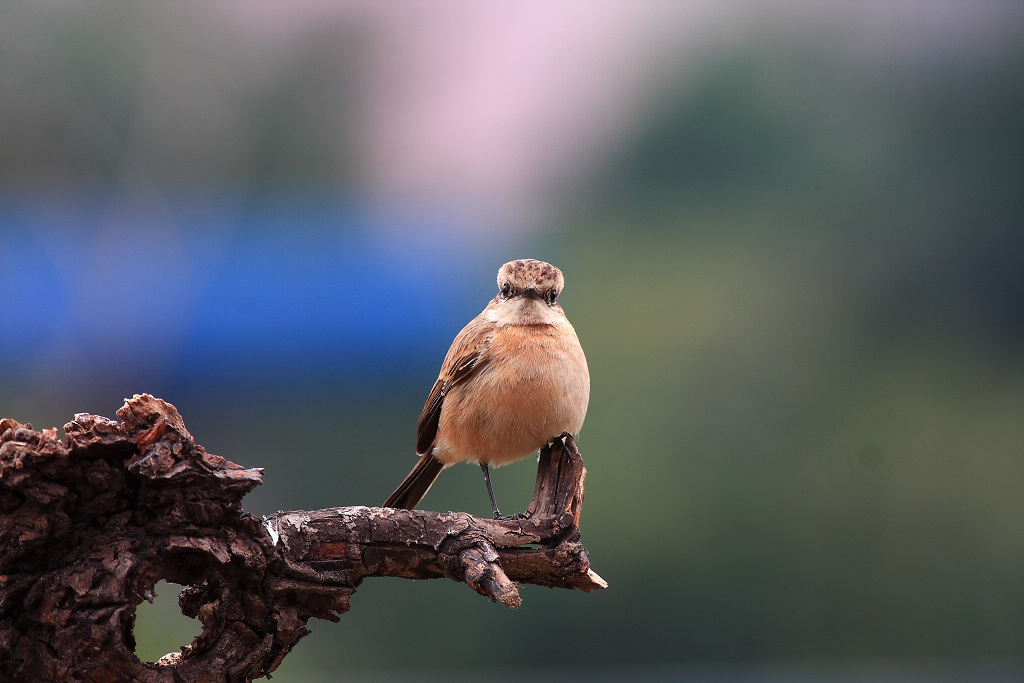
column 514, row 380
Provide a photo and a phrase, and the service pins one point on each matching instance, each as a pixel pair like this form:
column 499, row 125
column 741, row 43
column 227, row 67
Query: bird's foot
column 510, row 518
column 561, row 437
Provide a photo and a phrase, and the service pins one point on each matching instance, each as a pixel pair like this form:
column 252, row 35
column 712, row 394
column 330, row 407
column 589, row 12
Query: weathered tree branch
column 90, row 524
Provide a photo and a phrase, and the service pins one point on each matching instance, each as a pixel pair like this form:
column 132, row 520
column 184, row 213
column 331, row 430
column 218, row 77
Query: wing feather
column 467, row 355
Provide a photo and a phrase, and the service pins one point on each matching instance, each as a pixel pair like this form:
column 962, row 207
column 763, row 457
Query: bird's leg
column 494, row 506
column 487, row 480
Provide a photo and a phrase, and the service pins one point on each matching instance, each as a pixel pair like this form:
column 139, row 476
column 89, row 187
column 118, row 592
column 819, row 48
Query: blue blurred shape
column 203, row 289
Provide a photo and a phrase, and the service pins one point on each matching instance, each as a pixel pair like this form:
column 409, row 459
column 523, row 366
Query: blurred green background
column 793, row 241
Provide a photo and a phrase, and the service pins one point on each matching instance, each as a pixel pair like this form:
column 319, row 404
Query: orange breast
column 535, row 387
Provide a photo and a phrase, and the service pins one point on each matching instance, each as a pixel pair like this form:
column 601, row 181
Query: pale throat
column 523, row 312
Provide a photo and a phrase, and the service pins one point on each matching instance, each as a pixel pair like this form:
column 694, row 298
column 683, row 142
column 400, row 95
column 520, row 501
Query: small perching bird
column 514, row 379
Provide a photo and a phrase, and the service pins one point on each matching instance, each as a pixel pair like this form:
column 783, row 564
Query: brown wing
column 467, row 355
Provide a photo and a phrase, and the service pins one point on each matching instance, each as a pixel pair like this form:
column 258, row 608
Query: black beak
column 532, row 292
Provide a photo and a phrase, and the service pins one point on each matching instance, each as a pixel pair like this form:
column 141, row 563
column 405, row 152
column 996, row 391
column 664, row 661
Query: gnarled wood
column 89, row 524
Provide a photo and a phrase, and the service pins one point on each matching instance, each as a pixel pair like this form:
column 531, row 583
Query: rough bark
column 89, row 524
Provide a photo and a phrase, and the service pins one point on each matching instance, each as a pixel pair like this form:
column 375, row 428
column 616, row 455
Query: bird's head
column 528, row 292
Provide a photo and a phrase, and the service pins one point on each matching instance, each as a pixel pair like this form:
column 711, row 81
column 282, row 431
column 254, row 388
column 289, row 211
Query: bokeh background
column 793, row 239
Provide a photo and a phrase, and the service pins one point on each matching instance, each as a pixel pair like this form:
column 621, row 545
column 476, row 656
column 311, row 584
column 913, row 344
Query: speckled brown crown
column 523, row 273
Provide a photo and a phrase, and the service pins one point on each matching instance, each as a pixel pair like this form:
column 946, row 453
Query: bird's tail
column 412, row 489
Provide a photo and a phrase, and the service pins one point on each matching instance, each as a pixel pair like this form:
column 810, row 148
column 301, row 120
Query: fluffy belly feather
column 510, row 409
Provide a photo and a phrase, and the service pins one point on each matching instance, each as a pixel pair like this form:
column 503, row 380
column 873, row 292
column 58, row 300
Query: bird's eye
column 506, row 289
column 551, row 297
